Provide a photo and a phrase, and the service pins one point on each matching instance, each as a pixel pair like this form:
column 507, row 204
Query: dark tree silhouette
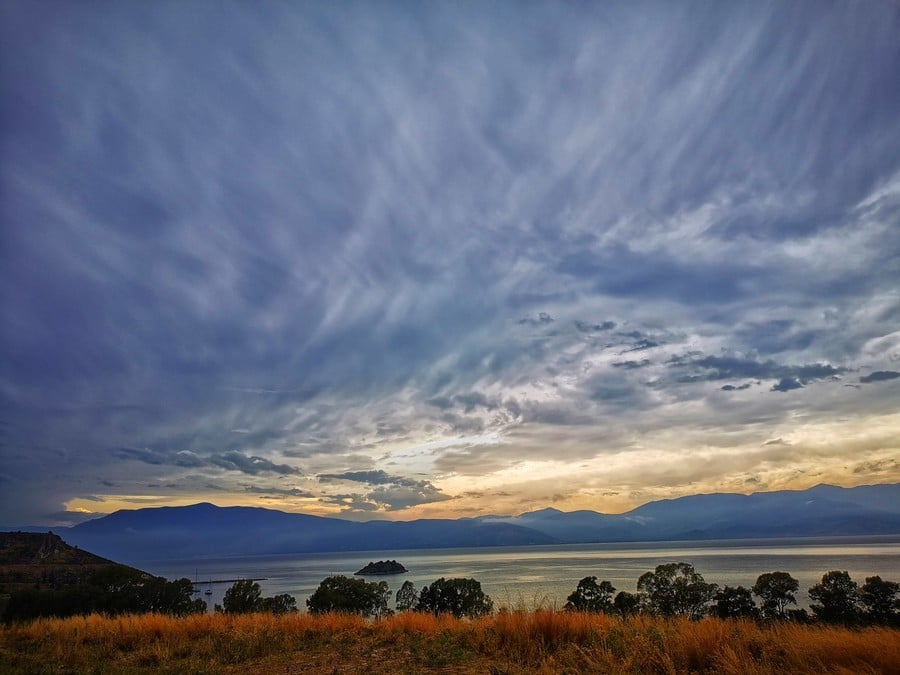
column 407, row 597
column 676, row 589
column 880, row 600
column 627, row 604
column 350, row 596
column 590, row 596
column 836, row 598
column 776, row 589
column 113, row 590
column 243, row 597
column 734, row 603
column 459, row 597
column 284, row 603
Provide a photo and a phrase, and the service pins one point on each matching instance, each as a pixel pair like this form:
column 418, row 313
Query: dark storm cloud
column 879, row 376
column 235, row 234
column 542, row 320
column 739, row 387
column 787, row 384
column 278, row 492
column 585, row 327
column 233, row 461
column 391, row 492
column 631, row 365
column 350, row 502
column 253, row 465
column 641, row 345
column 372, row 477
column 712, row 368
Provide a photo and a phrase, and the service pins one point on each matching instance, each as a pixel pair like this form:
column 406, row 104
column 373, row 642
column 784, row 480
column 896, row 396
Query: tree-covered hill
column 41, row 575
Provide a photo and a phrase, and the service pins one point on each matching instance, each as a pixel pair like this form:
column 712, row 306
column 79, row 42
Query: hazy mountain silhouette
column 819, row 511
column 207, row 530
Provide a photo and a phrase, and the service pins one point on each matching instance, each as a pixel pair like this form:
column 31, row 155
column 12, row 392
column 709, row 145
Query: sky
column 401, row 260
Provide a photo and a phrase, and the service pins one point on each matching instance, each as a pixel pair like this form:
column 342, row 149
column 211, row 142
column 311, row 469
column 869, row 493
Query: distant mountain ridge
column 823, row 510
column 203, row 530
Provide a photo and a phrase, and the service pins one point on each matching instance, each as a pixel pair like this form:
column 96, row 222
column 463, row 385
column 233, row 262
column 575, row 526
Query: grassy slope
column 517, row 642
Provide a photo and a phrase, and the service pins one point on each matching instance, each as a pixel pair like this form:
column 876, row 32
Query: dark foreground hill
column 33, row 560
column 207, row 530
column 42, row 576
column 38, row 566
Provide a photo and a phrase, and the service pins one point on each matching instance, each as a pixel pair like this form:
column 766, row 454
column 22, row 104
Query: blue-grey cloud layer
column 273, row 241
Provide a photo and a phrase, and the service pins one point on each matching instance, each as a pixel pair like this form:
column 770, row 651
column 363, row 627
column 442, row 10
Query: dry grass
column 541, row 641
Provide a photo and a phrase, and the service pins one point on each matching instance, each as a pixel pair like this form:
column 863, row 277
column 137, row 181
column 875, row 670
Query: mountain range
column 204, row 530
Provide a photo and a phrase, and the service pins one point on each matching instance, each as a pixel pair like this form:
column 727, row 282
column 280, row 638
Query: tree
column 777, row 592
column 170, row 597
column 459, row 597
column 589, row 596
column 880, row 600
column 114, row 589
column 350, row 596
column 734, row 603
column 626, row 604
column 407, row 597
column 244, row 597
column 676, row 589
column 837, row 598
column 283, row 603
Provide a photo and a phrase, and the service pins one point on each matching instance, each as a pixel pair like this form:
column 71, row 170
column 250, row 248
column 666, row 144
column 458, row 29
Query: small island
column 382, row 567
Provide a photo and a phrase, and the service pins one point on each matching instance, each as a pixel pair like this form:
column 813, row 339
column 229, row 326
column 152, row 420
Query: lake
column 530, row 577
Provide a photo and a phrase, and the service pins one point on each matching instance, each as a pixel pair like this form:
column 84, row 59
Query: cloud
column 585, row 327
column 631, row 365
column 391, row 493
column 335, row 236
column 542, row 320
column 712, row 368
column 787, row 384
column 235, row 461
column 278, row 492
column 879, row 376
column 371, row 477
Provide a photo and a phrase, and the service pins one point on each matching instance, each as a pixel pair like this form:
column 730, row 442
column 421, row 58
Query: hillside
column 29, row 560
column 42, row 562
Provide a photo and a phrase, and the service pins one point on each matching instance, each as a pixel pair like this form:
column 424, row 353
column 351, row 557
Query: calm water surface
column 542, row 576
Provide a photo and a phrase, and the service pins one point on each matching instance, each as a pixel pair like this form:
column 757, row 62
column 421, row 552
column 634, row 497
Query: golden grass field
column 508, row 642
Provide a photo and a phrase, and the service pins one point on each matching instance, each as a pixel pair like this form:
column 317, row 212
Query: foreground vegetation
column 542, row 641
